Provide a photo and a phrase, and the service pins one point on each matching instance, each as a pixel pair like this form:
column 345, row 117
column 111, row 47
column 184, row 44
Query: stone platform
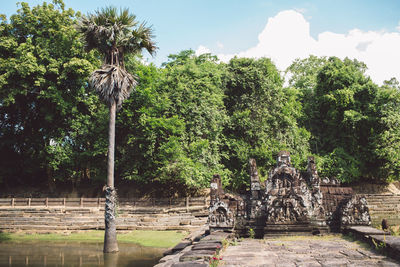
column 383, row 241
column 302, row 251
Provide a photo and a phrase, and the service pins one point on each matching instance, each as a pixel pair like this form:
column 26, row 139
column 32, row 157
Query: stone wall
column 186, row 215
column 384, row 206
column 153, row 214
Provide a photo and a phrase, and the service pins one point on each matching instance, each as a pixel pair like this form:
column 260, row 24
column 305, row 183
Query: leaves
column 115, row 34
column 351, row 120
column 112, row 83
column 187, row 120
column 43, row 72
column 263, row 118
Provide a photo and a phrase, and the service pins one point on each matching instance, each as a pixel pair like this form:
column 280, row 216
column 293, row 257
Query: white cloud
column 287, row 37
column 398, row 27
column 202, row 50
column 220, row 45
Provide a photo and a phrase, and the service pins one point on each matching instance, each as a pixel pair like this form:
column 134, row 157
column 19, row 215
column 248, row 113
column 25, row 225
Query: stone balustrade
column 85, row 214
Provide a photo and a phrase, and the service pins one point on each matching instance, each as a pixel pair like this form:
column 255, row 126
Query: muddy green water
column 75, row 254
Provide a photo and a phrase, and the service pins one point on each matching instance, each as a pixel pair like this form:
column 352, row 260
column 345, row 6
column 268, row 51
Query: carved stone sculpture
column 224, row 208
column 288, row 196
column 289, row 200
column 355, row 212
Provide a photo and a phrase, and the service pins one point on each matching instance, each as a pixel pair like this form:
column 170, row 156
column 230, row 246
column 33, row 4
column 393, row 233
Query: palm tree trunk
column 110, row 236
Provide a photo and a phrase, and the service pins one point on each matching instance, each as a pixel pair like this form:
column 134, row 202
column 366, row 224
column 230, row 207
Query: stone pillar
column 216, row 189
column 312, row 174
column 254, row 180
column 255, row 197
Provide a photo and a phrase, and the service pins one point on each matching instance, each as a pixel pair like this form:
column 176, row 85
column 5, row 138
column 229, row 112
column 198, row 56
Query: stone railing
column 49, row 214
column 100, row 202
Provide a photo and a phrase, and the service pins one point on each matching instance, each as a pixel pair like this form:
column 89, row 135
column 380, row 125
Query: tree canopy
column 187, row 119
column 46, row 111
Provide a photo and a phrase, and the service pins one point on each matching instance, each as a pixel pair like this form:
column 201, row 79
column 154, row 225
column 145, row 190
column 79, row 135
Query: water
column 42, row 253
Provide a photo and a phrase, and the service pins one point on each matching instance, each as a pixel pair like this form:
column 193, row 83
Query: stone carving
column 330, row 181
column 254, row 179
column 288, row 196
column 256, row 195
column 224, row 208
column 220, row 216
column 355, row 212
column 289, row 200
column 312, row 174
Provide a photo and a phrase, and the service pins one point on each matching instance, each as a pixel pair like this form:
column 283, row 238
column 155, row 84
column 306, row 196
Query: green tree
column 114, row 34
column 179, row 115
column 194, row 86
column 387, row 135
column 263, row 118
column 303, row 74
column 43, row 92
column 344, row 118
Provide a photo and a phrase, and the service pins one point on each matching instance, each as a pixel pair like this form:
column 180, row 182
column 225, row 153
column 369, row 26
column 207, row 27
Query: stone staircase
column 384, row 206
column 81, row 218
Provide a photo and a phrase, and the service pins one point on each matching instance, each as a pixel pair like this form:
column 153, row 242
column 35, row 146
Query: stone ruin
column 288, row 202
column 224, row 208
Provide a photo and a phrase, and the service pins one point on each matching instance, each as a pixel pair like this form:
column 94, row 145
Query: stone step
column 397, row 204
column 375, row 214
column 383, row 201
column 383, row 210
column 381, row 216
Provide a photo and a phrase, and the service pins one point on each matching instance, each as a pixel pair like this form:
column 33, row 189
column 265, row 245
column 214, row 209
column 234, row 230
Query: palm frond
column 114, row 34
column 143, row 36
column 112, row 83
column 108, row 29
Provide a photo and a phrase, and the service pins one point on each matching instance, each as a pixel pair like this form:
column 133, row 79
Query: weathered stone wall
column 384, row 206
column 149, row 215
column 130, row 217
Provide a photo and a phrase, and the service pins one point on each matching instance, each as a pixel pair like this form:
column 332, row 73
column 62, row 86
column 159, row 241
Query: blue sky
column 233, row 27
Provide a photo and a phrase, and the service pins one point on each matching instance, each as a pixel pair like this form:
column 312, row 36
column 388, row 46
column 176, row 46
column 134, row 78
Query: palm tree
column 114, row 34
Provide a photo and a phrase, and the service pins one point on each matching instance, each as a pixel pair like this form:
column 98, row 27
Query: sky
column 367, row 30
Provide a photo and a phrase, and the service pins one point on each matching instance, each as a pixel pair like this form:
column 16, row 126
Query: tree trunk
column 110, row 236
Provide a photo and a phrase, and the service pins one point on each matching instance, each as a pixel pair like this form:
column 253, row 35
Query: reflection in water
column 75, row 254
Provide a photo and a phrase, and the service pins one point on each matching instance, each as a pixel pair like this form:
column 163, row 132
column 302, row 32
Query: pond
column 44, row 253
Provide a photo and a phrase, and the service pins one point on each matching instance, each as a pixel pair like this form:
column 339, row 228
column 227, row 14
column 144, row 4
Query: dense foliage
column 353, row 122
column 263, row 118
column 50, row 122
column 188, row 119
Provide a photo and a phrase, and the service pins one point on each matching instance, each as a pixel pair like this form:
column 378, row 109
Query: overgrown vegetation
column 188, row 119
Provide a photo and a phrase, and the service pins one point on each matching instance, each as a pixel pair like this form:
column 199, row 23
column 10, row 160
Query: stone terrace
column 384, row 206
column 302, row 251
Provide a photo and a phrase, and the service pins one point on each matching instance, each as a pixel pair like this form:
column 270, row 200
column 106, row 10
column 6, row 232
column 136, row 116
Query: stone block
column 189, row 264
column 148, row 219
column 196, row 255
column 184, row 222
column 181, row 245
column 168, row 252
column 207, row 246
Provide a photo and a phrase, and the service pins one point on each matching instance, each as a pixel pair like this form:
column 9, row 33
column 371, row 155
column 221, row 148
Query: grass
column 159, row 239
column 351, row 238
column 395, row 230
